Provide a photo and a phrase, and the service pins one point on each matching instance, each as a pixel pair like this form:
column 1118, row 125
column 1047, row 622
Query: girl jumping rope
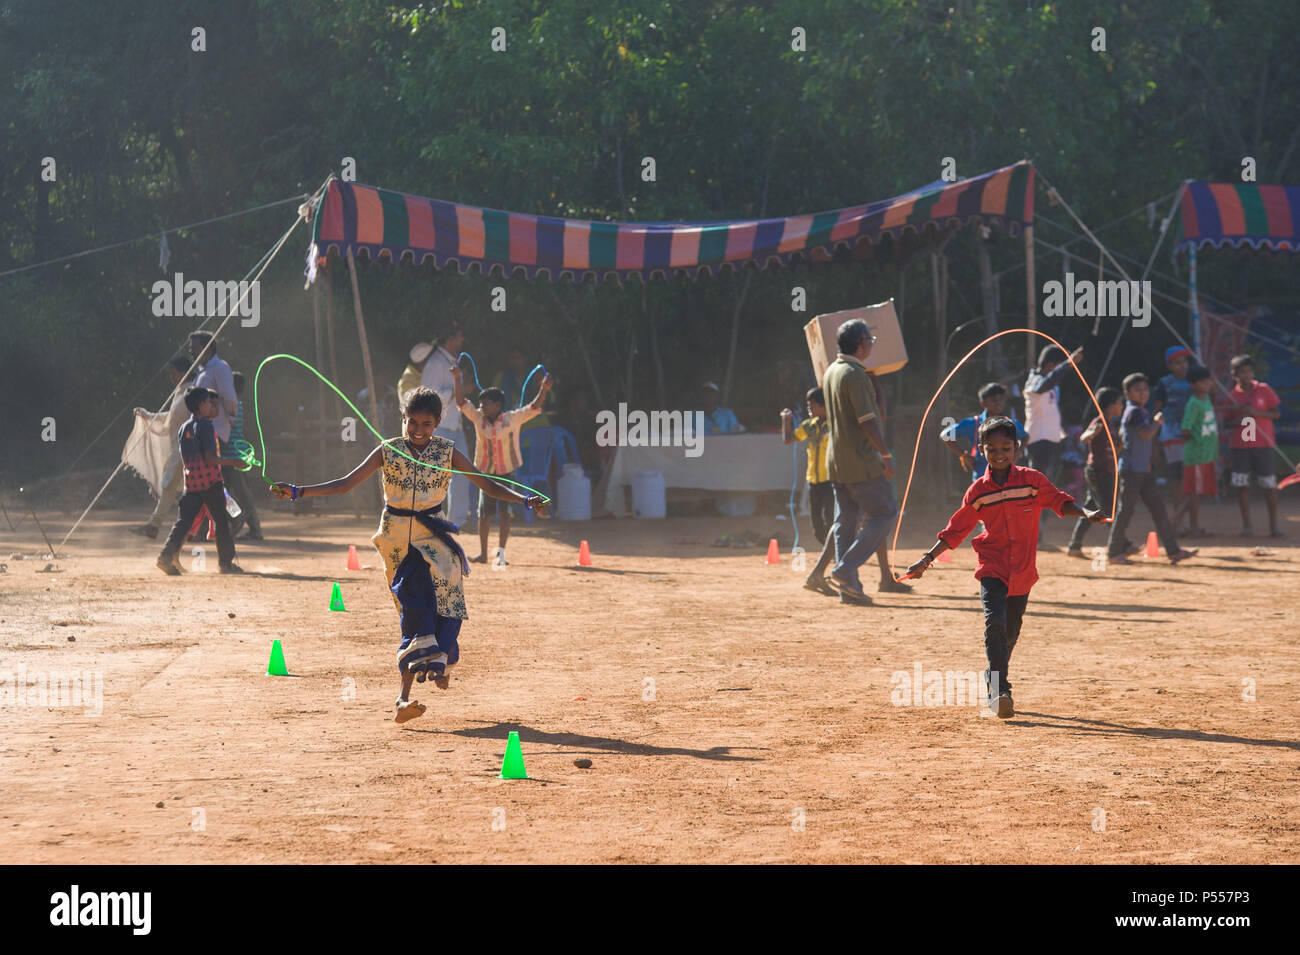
column 423, row 561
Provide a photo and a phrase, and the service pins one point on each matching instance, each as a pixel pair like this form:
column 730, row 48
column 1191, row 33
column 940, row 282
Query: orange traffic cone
column 944, row 557
column 354, row 562
column 1153, row 545
column 584, row 555
column 773, row 553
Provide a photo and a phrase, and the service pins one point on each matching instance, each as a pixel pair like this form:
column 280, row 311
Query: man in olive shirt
column 857, row 461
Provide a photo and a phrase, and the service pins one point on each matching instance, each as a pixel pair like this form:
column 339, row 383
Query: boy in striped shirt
column 1008, row 500
column 496, row 451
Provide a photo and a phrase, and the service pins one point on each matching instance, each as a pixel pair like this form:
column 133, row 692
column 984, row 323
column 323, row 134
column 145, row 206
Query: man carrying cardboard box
column 858, row 462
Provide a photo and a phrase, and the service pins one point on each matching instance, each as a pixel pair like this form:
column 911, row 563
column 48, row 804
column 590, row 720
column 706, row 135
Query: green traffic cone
column 336, row 599
column 275, row 666
column 512, row 767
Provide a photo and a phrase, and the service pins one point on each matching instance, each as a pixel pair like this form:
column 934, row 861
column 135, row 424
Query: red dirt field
column 767, row 735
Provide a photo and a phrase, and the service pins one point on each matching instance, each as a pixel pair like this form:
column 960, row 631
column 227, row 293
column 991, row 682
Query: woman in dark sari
column 424, row 563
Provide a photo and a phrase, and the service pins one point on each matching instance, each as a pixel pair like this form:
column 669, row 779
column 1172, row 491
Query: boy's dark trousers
column 1002, row 619
column 1101, row 491
column 821, row 501
column 191, row 501
column 1135, row 485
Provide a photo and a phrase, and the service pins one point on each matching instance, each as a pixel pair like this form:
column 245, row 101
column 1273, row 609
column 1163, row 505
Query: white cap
column 421, row 352
column 708, row 385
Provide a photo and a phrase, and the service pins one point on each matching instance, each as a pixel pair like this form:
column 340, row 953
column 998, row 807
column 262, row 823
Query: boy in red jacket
column 1008, row 500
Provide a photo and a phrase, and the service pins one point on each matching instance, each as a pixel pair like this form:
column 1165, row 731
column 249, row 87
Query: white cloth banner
column 728, row 462
column 148, row 450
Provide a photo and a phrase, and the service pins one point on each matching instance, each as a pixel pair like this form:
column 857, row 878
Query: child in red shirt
column 1250, row 441
column 1008, row 500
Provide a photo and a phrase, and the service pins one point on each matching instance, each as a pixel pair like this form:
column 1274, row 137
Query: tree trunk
column 582, row 347
column 993, row 362
column 735, row 334
column 655, row 356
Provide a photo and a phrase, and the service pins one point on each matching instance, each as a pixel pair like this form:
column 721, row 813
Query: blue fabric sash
column 440, row 528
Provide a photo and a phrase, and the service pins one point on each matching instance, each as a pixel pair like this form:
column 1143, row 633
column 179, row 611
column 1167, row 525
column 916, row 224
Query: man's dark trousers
column 233, row 478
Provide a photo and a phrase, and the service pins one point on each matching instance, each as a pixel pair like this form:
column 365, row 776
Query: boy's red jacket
column 1009, row 545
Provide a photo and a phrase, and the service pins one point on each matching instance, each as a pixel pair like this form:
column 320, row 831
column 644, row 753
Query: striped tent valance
column 381, row 224
column 1239, row 215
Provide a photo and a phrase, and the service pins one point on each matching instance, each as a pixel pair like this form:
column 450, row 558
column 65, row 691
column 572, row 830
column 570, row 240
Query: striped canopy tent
column 1239, row 215
column 380, row 224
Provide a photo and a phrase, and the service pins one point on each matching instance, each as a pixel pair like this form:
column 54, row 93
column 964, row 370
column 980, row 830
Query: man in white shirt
column 215, row 375
column 437, row 377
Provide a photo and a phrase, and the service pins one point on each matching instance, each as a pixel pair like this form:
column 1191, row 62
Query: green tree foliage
column 149, row 134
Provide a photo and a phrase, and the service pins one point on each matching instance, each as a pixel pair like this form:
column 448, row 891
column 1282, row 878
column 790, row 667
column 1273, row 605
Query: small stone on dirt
column 582, row 763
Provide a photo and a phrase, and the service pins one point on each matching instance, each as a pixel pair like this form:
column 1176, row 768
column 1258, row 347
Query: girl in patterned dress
column 423, row 562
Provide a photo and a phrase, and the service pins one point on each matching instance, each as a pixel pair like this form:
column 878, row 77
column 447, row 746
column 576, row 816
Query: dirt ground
column 730, row 716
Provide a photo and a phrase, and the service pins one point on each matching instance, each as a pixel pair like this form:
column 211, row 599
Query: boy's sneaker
column 893, row 587
column 1005, row 707
column 231, row 569
column 171, row 568
column 861, row 600
column 145, row 530
column 1182, row 554
column 1076, row 552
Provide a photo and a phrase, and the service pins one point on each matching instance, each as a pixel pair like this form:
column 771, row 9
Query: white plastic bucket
column 649, row 495
column 574, row 495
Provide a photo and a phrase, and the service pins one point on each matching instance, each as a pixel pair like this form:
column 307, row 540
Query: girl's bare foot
column 408, row 711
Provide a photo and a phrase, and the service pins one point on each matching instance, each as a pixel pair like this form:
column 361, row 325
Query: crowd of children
column 1168, row 435
column 1122, row 464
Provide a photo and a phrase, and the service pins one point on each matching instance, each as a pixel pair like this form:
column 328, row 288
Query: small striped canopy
column 380, row 224
column 1240, row 215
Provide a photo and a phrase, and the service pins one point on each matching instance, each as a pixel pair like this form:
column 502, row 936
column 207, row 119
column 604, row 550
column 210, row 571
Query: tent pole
column 365, row 344
column 1193, row 311
column 1031, row 290
column 329, row 333
column 320, row 363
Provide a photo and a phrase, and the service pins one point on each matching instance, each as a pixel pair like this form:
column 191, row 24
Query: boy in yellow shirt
column 821, row 494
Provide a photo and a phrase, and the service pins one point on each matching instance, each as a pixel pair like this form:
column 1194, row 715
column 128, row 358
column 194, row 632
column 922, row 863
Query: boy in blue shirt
column 1137, row 431
column 1170, row 397
column 962, row 438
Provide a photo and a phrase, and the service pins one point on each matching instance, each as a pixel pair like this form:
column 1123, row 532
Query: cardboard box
column 887, row 355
